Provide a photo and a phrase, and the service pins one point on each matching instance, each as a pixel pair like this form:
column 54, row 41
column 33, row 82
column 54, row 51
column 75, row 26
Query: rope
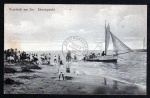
column 96, row 46
column 94, row 49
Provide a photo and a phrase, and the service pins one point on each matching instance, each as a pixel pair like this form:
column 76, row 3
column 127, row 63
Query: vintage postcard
column 75, row 49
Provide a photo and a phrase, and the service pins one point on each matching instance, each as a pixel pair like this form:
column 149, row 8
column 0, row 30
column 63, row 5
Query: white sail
column 119, row 46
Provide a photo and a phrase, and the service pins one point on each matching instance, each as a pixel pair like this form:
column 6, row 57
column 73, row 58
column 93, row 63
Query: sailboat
column 118, row 47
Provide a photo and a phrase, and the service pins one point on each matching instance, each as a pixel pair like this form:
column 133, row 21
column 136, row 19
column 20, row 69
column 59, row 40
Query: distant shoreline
column 136, row 50
column 140, row 50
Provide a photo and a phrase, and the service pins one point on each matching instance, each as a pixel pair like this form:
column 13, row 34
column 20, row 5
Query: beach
column 98, row 49
column 81, row 80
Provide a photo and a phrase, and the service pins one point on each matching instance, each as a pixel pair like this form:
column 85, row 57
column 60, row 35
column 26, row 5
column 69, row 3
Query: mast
column 119, row 46
column 105, row 38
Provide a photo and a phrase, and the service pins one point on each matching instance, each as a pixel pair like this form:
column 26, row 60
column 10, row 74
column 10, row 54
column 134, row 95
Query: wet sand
column 45, row 81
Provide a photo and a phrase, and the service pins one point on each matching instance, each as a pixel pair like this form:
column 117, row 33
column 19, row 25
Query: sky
column 47, row 30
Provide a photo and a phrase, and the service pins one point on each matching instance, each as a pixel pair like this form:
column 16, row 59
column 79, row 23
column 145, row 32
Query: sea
column 130, row 67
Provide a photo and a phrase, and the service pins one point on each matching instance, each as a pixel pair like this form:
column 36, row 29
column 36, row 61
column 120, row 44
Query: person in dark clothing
column 58, row 58
column 93, row 55
column 5, row 55
column 84, row 59
column 75, row 58
column 35, row 58
column 11, row 52
column 15, row 54
column 23, row 57
column 49, row 59
column 46, row 57
column 12, row 55
column 103, row 53
column 61, row 63
column 8, row 55
column 68, row 57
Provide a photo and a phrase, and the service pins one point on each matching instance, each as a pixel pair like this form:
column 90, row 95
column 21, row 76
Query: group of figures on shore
column 15, row 56
column 46, row 58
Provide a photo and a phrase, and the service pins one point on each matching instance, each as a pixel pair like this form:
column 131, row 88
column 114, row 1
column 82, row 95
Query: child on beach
column 49, row 57
column 55, row 59
column 61, row 71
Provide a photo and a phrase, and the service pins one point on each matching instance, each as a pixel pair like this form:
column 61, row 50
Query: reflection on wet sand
column 115, row 85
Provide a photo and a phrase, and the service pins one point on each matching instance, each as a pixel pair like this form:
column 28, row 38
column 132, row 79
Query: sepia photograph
column 72, row 49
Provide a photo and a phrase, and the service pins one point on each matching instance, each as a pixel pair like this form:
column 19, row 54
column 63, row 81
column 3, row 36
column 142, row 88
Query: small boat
column 118, row 46
column 104, row 59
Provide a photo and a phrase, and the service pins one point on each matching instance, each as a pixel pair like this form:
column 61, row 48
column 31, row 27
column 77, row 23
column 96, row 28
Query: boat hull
column 104, row 59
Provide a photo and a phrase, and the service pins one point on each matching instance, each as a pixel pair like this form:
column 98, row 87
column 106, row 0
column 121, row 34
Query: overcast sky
column 46, row 30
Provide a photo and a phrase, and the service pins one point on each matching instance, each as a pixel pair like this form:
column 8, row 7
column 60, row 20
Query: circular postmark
column 75, row 45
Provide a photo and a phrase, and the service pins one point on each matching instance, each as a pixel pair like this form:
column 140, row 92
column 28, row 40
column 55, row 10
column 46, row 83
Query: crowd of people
column 92, row 55
column 46, row 58
column 15, row 56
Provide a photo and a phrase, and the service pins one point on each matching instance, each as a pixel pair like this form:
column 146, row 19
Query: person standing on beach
column 60, row 63
column 15, row 55
column 46, row 57
column 31, row 58
column 75, row 58
column 58, row 58
column 49, row 58
column 8, row 55
column 61, row 71
column 42, row 58
column 12, row 55
column 55, row 59
column 18, row 56
column 4, row 54
column 36, row 59
column 68, row 57
column 84, row 58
